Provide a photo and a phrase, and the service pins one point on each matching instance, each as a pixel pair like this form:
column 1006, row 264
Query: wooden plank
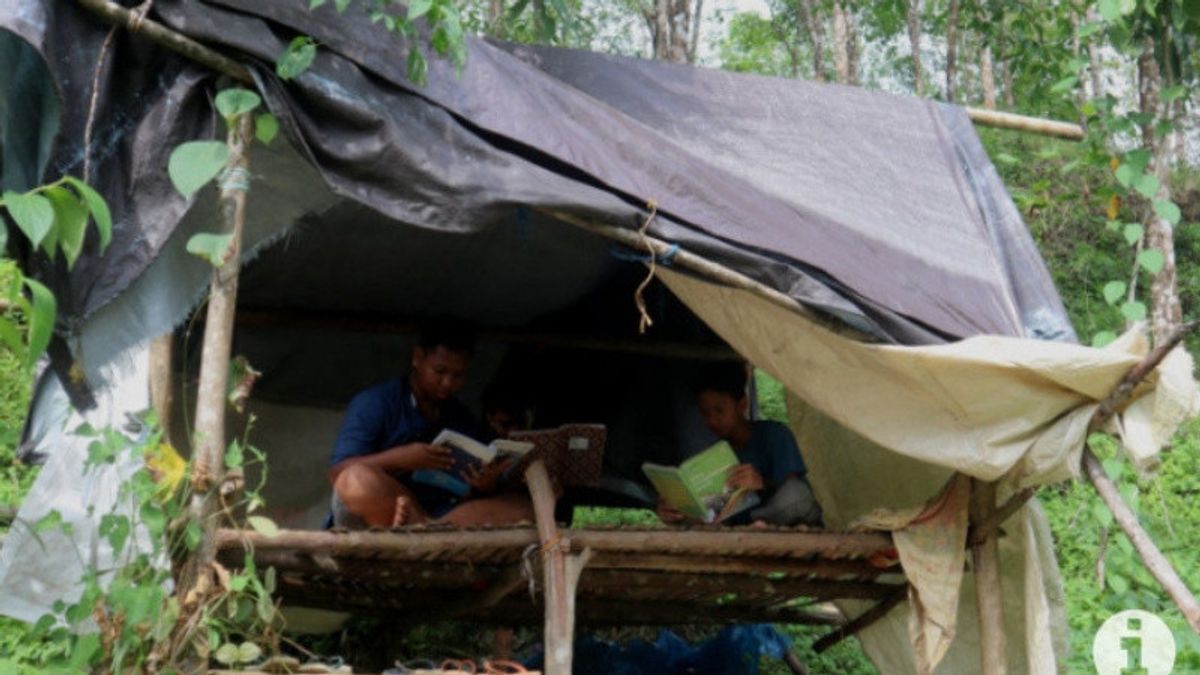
column 615, row 582
column 817, row 567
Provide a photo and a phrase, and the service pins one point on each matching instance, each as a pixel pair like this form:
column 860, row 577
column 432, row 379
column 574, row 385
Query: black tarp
column 880, row 210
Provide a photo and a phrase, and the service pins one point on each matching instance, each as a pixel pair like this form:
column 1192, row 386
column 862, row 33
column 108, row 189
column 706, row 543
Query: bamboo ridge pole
column 208, row 447
column 1031, row 125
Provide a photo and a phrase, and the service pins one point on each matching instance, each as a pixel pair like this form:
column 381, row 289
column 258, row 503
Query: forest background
column 1117, row 215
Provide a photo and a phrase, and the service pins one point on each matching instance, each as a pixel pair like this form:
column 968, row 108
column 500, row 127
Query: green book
column 696, row 488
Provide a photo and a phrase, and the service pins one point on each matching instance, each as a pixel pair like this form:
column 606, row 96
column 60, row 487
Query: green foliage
column 193, row 164
column 296, row 58
column 54, row 217
column 214, row 248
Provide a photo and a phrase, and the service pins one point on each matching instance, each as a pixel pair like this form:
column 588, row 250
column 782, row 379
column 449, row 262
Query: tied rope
column 644, row 320
column 527, row 560
column 235, row 178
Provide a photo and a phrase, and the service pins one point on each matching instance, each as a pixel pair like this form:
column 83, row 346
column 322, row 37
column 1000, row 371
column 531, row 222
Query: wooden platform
column 635, row 575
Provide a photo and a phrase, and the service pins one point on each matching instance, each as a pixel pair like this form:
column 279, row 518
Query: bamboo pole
column 208, row 445
column 561, row 573
column 1030, row 125
column 455, row 544
column 161, row 381
column 989, row 597
column 860, row 622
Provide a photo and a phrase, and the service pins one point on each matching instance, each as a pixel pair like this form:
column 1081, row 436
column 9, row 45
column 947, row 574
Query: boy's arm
column 360, row 436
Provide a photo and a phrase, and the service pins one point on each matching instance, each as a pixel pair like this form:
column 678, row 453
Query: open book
column 468, row 453
column 696, row 488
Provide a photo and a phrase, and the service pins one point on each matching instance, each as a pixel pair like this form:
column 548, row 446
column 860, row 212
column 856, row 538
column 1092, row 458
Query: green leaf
column 313, row 4
column 1126, row 174
column 232, row 103
column 238, row 583
column 1112, row 225
column 153, row 518
column 269, row 580
column 1151, row 260
column 341, row 5
column 1065, row 84
column 418, row 69
column 296, row 58
column 1118, row 583
column 1115, row 468
column 1139, row 159
column 1133, row 232
column 70, row 222
column 263, row 525
column 265, row 128
column 1005, row 158
column 212, row 247
column 418, row 8
column 1171, row 93
column 1133, row 310
column 98, row 208
column 50, row 521
column 227, row 654
column 1102, row 515
column 1168, row 211
column 193, row 534
column 1147, row 186
column 1110, row 9
column 1103, row 338
column 195, row 163
column 41, row 320
column 1089, row 29
column 1127, row 6
column 116, row 529
column 234, row 456
column 1113, row 291
column 33, row 214
column 247, row 652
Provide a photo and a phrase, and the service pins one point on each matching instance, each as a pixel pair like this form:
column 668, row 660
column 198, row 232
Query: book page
column 706, row 472
column 675, row 491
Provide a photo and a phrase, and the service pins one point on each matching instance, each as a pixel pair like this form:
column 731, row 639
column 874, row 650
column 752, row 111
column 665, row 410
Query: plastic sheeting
column 884, row 428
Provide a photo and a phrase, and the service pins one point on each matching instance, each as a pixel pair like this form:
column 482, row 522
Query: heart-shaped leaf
column 418, row 8
column 1151, row 260
column 70, row 221
column 247, row 652
column 33, row 213
column 1168, row 211
column 236, row 101
column 227, row 654
column 1125, row 175
column 98, row 208
column 1110, row 9
column 296, row 58
column 212, row 247
column 195, row 163
column 1133, row 233
column 1103, row 338
column 263, row 525
column 1147, row 186
column 1113, row 291
column 1133, row 310
column 41, row 320
column 265, row 128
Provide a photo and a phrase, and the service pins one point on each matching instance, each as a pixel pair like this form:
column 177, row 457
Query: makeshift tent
column 858, row 246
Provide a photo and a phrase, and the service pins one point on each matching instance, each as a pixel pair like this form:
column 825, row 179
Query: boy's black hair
column 455, row 335
column 727, row 377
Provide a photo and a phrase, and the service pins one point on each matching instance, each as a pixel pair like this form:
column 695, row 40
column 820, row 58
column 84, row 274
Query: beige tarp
column 883, row 429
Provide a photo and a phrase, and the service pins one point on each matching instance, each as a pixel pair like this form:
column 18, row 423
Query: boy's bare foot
column 407, row 512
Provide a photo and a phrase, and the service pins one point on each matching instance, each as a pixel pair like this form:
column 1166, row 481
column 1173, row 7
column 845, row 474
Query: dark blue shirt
column 386, row 415
column 773, row 451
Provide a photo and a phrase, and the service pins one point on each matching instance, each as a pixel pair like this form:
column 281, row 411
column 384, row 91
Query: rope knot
column 644, row 320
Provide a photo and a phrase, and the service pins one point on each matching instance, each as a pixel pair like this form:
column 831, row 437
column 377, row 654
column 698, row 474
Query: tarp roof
column 881, row 210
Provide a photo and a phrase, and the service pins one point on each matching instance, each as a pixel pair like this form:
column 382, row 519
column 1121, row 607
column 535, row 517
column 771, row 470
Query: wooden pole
column 1156, row 563
column 1030, row 125
column 860, row 622
column 989, row 597
column 560, row 571
column 208, row 447
column 161, row 381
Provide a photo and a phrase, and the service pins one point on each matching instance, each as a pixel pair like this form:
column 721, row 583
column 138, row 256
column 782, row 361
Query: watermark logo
column 1134, row 642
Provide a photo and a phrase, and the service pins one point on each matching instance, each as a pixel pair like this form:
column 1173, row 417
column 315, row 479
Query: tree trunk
column 1094, row 56
column 807, row 10
column 697, row 16
column 854, row 47
column 952, row 50
column 1076, row 47
column 670, row 22
column 914, row 41
column 987, row 78
column 1010, row 96
column 495, row 22
column 1180, row 132
column 841, row 43
column 1166, row 312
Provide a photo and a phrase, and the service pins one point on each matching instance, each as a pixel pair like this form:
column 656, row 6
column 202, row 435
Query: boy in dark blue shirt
column 386, row 436
column 771, row 464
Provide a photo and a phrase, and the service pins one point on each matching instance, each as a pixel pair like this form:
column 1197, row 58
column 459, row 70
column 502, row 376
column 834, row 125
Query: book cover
column 573, row 453
column 696, row 488
column 468, row 453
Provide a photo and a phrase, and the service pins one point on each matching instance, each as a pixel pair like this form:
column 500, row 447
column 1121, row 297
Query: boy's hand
column 483, row 481
column 668, row 514
column 744, row 476
column 428, row 456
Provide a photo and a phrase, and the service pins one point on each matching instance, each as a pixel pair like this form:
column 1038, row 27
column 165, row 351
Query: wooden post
column 208, row 447
column 560, row 573
column 985, row 557
column 161, row 381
